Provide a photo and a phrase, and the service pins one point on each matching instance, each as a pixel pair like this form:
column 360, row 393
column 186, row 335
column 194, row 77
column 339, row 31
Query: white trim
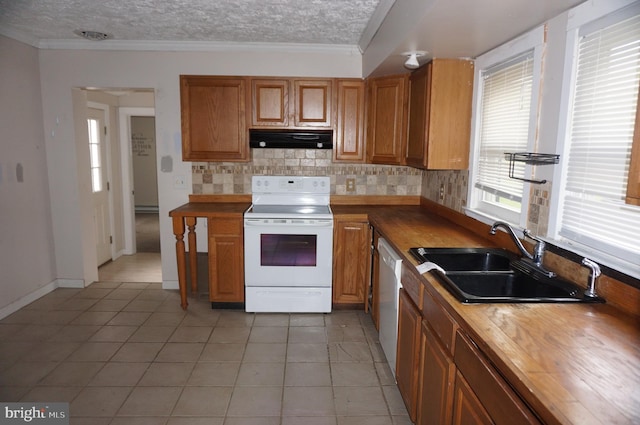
column 592, row 10
column 128, row 207
column 37, row 294
column 532, row 40
column 581, row 15
column 196, row 46
column 170, row 284
column 27, row 299
column 70, row 283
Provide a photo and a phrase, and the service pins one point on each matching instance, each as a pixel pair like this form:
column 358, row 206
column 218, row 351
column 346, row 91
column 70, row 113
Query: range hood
column 291, row 139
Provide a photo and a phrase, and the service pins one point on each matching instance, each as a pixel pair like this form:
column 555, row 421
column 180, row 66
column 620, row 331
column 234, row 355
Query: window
column 94, row 154
column 600, row 134
column 505, row 100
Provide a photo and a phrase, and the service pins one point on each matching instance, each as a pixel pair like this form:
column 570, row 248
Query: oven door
column 288, row 252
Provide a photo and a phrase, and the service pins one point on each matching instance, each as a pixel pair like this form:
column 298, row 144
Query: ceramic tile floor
column 126, row 353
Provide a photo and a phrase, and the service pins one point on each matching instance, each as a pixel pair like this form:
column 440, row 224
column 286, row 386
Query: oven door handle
column 256, row 222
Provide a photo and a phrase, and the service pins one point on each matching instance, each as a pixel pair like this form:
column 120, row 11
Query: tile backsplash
column 445, row 187
column 229, row 178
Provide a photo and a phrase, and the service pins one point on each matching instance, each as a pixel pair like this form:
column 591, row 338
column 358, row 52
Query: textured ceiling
column 334, row 22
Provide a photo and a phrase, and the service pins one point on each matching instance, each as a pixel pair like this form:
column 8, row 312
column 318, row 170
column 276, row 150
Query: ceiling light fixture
column 412, row 61
column 92, row 35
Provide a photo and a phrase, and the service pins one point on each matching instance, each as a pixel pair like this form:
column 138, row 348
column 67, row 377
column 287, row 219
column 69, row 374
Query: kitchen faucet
column 538, row 250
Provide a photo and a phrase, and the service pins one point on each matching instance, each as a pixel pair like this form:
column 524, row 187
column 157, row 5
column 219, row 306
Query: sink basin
column 489, row 275
column 466, row 259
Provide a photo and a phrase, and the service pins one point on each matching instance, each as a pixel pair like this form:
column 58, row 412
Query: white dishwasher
column 389, row 273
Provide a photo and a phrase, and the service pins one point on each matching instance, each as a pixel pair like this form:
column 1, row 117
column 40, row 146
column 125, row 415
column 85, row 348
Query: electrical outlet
column 442, row 191
column 351, row 185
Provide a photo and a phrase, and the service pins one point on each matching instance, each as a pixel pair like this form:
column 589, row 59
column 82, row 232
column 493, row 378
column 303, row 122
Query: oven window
column 288, row 250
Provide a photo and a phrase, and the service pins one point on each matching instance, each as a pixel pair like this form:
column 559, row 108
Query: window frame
column 532, row 41
column 579, row 18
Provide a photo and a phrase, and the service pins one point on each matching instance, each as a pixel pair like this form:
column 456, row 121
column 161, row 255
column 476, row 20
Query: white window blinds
column 601, row 133
column 504, row 127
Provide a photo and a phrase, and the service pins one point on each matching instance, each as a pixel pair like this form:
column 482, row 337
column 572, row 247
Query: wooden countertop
column 209, row 209
column 572, row 363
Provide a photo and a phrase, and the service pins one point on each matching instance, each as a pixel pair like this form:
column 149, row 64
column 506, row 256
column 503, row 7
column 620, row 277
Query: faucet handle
column 527, row 234
column 593, row 275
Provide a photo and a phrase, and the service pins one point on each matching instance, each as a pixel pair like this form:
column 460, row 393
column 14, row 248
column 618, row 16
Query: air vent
column 291, row 139
column 93, row 35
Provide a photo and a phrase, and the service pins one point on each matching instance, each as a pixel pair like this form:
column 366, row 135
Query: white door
column 99, row 184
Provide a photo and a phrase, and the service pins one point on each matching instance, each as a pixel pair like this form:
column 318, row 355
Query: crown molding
column 196, row 46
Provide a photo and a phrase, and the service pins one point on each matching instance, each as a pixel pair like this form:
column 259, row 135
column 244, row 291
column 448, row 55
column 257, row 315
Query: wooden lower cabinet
column 467, row 408
column 495, row 395
column 351, row 261
column 437, row 375
column 226, row 260
column 408, row 354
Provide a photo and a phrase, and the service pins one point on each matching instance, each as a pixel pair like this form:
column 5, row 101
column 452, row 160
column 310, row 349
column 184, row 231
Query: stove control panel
column 290, row 184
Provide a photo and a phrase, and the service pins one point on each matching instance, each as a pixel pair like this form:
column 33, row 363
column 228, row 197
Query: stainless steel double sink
column 492, row 275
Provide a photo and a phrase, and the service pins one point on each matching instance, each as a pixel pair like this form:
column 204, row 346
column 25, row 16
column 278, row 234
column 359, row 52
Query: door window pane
column 94, row 153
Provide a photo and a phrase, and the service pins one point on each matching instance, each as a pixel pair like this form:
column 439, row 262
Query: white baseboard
column 27, row 299
column 70, row 283
column 170, row 284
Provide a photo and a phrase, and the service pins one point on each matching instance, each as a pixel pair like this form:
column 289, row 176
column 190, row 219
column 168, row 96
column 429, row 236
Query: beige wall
column 63, row 70
column 26, row 238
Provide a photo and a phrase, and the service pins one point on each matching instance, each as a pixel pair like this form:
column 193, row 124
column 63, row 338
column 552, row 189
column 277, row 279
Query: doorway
column 145, row 183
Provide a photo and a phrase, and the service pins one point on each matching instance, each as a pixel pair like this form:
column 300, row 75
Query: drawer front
column 497, row 397
column 412, row 285
column 440, row 321
column 225, row 226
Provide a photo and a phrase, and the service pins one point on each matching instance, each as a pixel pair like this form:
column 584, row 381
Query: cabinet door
column 351, row 261
column 226, row 260
column 408, row 356
column 213, row 118
column 349, row 121
column 467, row 409
column 386, row 120
column 496, row 396
column 419, row 92
column 270, row 102
column 436, row 381
column 440, row 115
column 449, row 123
column 312, row 103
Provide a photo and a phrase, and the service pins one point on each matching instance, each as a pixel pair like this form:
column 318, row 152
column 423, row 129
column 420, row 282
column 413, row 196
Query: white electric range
column 288, row 240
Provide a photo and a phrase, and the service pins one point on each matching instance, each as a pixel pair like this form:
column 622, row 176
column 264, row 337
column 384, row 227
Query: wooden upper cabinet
column 312, row 103
column 633, row 183
column 270, row 102
column 440, row 115
column 213, row 118
column 349, row 121
column 387, row 119
column 291, row 102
